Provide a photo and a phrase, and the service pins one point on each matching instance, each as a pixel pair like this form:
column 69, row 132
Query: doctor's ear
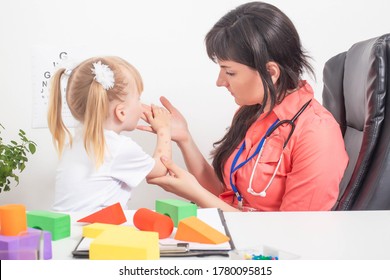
column 274, row 71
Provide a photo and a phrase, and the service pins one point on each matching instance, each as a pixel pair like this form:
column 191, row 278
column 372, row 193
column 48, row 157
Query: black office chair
column 356, row 89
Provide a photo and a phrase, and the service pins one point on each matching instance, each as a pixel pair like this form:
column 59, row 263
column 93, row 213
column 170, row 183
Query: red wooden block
column 148, row 220
column 110, row 215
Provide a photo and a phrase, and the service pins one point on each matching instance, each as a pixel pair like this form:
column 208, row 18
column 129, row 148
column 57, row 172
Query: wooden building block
column 30, row 245
column 112, row 214
column 93, row 230
column 56, row 223
column 193, row 229
column 176, row 209
column 125, row 243
column 148, row 220
column 12, row 219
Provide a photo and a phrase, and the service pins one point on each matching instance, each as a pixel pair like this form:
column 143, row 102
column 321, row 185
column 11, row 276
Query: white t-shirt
column 82, row 187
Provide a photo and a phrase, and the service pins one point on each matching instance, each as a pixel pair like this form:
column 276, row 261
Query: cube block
column 176, row 209
column 30, row 245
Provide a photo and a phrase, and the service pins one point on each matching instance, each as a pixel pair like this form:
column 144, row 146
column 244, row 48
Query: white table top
column 337, row 235
column 350, row 235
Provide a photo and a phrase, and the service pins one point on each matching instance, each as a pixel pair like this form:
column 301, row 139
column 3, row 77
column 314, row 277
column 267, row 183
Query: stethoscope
column 258, row 152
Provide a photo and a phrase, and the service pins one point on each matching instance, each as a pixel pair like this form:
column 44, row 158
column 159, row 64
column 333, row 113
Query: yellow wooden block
column 93, row 230
column 125, row 243
column 193, row 229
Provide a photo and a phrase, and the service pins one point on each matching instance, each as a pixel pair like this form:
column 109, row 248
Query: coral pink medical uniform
column 312, row 165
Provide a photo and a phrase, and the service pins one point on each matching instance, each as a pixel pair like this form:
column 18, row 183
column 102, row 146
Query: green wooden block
column 56, row 223
column 176, row 209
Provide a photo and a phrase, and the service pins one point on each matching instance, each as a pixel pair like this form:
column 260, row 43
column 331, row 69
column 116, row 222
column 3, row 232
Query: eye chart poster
column 45, row 61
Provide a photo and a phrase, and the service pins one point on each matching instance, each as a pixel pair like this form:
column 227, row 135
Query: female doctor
column 283, row 151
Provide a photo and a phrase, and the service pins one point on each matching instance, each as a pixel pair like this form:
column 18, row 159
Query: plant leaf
column 13, row 158
column 32, row 148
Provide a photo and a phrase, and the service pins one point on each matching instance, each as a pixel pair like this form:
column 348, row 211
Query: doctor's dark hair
column 254, row 34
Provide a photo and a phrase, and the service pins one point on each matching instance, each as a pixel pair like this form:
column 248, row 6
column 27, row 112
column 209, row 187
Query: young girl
column 99, row 166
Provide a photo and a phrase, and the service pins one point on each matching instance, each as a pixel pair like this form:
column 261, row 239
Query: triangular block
column 110, row 215
column 193, row 229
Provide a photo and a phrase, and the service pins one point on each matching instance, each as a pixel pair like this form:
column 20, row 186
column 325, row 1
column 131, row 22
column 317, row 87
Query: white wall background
column 165, row 41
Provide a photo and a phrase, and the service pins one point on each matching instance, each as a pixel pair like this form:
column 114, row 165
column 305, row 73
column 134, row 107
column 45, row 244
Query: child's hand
column 159, row 118
column 179, row 127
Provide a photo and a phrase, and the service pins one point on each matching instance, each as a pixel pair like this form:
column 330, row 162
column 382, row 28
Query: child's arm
column 195, row 161
column 160, row 121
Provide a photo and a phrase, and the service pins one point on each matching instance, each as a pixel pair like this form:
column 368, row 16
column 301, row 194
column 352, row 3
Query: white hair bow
column 103, row 75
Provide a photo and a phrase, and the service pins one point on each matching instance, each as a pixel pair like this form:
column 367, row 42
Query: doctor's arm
column 185, row 185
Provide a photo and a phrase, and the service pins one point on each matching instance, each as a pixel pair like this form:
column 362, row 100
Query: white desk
column 337, row 235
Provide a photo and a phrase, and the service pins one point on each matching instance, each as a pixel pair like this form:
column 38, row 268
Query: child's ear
column 120, row 112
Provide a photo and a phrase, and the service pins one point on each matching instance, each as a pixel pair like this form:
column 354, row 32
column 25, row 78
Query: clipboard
column 174, row 248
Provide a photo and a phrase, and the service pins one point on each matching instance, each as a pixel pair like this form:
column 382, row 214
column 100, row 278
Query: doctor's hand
column 179, row 132
column 185, row 185
column 178, row 181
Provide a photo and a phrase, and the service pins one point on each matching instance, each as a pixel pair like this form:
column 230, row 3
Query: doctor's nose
column 221, row 82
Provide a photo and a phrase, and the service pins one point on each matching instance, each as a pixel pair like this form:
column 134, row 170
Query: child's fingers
column 156, row 110
column 148, row 116
column 146, row 107
column 145, row 128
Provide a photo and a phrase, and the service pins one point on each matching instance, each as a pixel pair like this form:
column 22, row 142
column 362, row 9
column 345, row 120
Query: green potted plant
column 13, row 158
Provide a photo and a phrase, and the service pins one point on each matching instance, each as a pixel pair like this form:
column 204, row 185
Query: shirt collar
column 291, row 103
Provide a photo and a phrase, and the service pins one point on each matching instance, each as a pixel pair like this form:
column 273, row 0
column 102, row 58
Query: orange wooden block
column 110, row 215
column 193, row 229
column 13, row 219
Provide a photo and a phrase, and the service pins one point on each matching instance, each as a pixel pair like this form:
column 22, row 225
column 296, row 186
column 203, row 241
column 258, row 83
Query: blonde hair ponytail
column 96, row 112
column 54, row 116
column 88, row 98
